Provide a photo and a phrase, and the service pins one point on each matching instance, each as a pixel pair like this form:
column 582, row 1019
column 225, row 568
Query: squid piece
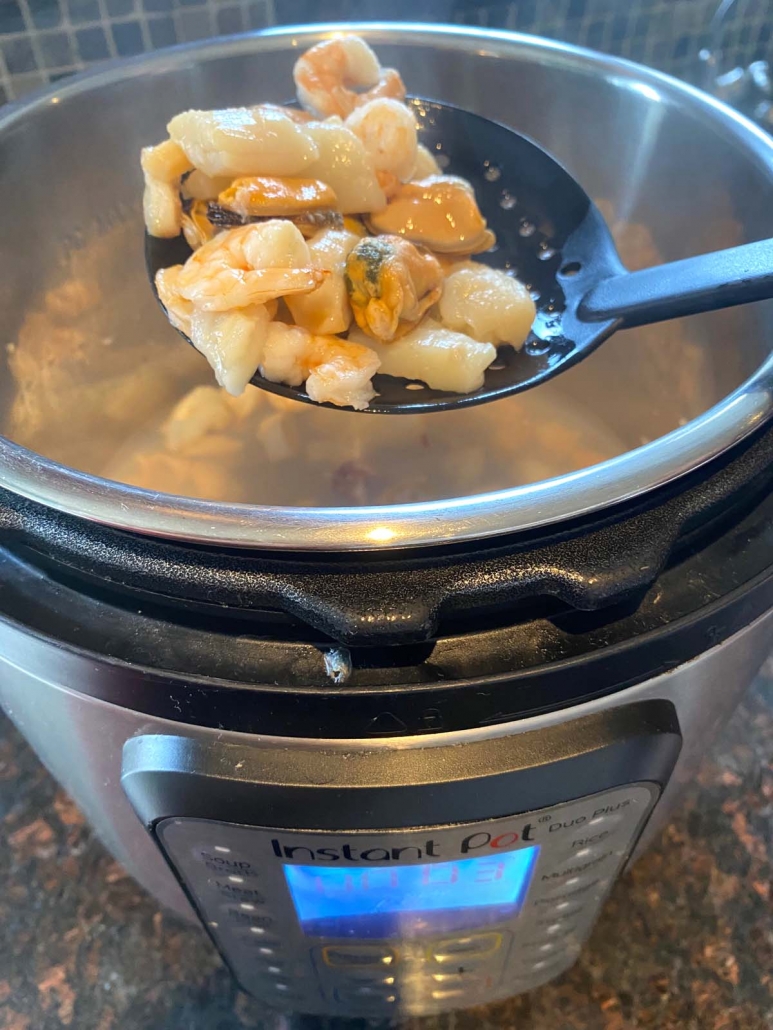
column 232, row 342
column 326, row 310
column 344, row 164
column 163, row 167
column 243, row 141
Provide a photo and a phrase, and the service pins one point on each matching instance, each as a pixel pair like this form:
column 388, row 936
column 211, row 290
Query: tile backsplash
column 44, row 40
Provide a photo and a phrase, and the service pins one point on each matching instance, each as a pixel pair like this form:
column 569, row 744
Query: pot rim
column 481, row 516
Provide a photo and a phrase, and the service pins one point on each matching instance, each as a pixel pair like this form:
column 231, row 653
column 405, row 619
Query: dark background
column 43, row 40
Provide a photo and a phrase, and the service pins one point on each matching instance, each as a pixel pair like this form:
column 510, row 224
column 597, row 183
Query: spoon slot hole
column 571, row 269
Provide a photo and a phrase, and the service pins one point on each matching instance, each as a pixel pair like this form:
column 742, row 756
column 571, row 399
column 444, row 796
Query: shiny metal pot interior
column 93, row 366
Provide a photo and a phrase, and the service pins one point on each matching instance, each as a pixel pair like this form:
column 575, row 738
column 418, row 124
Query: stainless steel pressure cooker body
column 393, row 755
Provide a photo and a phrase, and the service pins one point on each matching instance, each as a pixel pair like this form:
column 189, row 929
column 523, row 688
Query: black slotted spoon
column 553, row 238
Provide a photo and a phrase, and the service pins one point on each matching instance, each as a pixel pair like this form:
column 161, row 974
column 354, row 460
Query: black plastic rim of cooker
column 493, row 632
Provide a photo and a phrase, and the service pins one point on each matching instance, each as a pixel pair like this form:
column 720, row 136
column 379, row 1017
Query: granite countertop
column 686, row 940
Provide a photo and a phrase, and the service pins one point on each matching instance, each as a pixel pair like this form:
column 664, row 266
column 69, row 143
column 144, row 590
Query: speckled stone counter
column 685, row 943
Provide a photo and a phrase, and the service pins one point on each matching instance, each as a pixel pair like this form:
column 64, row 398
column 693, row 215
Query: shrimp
column 391, row 285
column 327, row 309
column 162, row 167
column 328, row 75
column 442, row 359
column 345, row 166
column 388, row 132
column 249, row 265
column 179, row 310
column 243, row 141
column 440, row 212
column 335, row 371
column 487, row 304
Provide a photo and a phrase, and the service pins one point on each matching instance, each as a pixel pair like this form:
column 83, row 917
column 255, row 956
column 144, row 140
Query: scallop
column 487, row 305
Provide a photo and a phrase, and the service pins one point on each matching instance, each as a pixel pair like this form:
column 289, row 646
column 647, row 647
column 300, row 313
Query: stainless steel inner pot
column 93, row 367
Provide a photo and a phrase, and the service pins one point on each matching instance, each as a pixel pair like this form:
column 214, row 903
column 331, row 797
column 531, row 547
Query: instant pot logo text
column 479, row 843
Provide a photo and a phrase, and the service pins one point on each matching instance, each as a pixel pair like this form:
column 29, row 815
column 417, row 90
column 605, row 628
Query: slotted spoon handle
column 709, row 282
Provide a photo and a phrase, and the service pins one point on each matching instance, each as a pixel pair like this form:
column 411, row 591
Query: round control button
column 221, row 860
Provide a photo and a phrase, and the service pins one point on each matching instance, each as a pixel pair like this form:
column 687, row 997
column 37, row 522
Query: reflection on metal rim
column 467, row 518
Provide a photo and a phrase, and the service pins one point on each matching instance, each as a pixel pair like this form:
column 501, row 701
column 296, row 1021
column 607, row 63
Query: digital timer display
column 401, row 901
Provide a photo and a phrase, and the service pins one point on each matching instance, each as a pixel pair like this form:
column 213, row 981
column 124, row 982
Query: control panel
column 406, row 922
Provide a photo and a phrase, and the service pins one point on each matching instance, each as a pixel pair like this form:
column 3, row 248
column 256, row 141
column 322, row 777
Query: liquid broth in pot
column 99, row 375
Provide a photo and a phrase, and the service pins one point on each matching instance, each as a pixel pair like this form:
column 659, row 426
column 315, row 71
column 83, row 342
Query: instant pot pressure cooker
column 392, row 755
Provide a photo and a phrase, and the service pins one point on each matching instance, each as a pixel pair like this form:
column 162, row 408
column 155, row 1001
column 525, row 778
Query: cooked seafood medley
column 327, row 243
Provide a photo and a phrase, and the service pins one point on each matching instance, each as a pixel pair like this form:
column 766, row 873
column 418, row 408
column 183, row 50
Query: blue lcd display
column 389, row 901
